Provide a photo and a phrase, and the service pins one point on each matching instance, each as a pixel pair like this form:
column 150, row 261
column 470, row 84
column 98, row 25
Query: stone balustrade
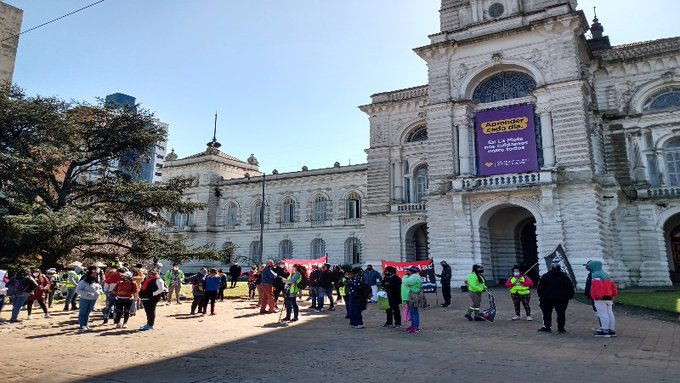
column 660, row 192
column 503, row 181
column 405, row 208
column 353, row 221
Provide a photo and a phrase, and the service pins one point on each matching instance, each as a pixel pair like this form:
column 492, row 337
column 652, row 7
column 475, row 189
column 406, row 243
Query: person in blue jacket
column 211, row 287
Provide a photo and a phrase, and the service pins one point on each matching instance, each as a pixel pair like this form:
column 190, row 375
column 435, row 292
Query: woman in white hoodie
column 89, row 290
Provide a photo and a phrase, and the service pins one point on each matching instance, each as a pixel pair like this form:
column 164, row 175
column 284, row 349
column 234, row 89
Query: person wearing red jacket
column 602, row 292
column 520, row 291
column 39, row 294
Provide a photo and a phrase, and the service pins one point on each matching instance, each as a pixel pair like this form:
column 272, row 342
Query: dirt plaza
column 240, row 345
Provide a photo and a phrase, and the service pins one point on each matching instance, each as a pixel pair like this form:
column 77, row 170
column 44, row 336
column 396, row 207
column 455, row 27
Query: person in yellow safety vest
column 72, row 279
column 290, row 294
column 520, row 291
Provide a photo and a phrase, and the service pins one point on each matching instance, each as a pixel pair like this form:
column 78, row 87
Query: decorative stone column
column 547, row 141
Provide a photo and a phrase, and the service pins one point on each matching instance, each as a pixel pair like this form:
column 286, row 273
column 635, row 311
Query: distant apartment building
column 10, row 25
column 151, row 166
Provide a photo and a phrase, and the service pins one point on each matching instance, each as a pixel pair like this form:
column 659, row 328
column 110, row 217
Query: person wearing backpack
column 19, row 288
column 291, row 292
column 357, row 297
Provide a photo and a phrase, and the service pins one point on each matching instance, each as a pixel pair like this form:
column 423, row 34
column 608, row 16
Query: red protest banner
column 426, row 272
column 306, row 263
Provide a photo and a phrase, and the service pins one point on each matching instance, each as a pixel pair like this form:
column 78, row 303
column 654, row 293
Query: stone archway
column 416, row 243
column 671, row 233
column 507, row 238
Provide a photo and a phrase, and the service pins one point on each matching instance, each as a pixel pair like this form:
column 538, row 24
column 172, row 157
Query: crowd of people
column 127, row 289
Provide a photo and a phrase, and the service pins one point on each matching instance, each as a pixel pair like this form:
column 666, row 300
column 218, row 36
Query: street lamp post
column 262, row 221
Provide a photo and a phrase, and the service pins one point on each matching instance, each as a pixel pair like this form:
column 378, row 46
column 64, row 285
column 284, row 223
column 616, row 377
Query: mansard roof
column 640, row 49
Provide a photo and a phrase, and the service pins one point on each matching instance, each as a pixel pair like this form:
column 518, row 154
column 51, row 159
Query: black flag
column 559, row 255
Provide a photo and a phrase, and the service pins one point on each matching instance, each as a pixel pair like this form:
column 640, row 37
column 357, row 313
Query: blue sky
column 284, row 76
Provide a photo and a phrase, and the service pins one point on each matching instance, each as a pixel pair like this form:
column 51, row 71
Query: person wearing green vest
column 520, row 291
column 72, row 279
column 476, row 285
column 290, row 294
column 412, row 284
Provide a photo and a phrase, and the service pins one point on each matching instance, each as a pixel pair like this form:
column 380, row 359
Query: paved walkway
column 321, row 347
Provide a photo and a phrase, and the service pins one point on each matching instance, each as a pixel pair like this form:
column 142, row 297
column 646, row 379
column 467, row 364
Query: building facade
column 10, row 25
column 528, row 135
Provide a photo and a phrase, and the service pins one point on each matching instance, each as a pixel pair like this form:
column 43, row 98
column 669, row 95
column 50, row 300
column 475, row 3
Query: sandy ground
column 240, row 345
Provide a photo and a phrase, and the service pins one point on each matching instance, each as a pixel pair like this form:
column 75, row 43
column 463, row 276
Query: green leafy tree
column 68, row 189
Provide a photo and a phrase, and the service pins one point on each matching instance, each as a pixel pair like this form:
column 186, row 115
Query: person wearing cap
column 602, row 292
column 520, row 292
column 446, row 283
column 357, row 298
column 173, row 279
column 125, row 292
column 476, row 285
column 554, row 292
column 55, row 280
column 392, row 285
column 72, row 279
column 372, row 278
column 412, row 285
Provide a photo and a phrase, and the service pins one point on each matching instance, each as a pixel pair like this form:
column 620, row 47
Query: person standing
column 173, row 279
column 125, row 292
column 3, row 288
column 39, row 294
column 520, row 292
column 234, row 273
column 372, row 278
column 150, row 294
column 290, row 294
column 72, row 279
column 89, row 290
column 554, row 292
column 266, row 288
column 223, row 284
column 476, row 285
column 314, row 277
column 357, row 298
column 602, row 292
column 411, row 290
column 138, row 278
column 325, row 288
column 111, row 279
column 252, row 281
column 211, row 287
column 446, row 283
column 197, row 290
column 55, row 280
column 279, row 284
column 392, row 285
column 338, row 274
column 19, row 288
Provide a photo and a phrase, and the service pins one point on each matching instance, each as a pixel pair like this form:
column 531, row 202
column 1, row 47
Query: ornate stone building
column 529, row 134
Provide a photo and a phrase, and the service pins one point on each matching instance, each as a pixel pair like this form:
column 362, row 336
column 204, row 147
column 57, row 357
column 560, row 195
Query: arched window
column 420, row 134
column 667, row 98
column 318, row 248
column 352, row 251
column 288, row 210
column 286, row 249
column 230, row 215
column 420, row 184
column 256, row 213
column 255, row 254
column 353, row 206
column 319, row 208
column 504, row 86
column 671, row 154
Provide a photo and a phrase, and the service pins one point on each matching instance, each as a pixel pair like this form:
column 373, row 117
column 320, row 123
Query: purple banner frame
column 506, row 141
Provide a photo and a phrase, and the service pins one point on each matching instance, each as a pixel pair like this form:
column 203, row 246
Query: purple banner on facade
column 506, row 141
